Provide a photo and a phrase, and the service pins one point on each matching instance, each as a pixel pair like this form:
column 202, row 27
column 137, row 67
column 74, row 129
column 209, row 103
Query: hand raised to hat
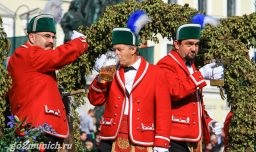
column 76, row 34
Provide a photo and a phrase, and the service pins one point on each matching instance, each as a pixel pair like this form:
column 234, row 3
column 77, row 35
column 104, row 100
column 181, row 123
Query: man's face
column 44, row 40
column 83, row 136
column 187, row 49
column 125, row 54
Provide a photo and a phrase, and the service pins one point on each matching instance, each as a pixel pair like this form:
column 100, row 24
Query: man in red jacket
column 137, row 102
column 190, row 121
column 34, row 96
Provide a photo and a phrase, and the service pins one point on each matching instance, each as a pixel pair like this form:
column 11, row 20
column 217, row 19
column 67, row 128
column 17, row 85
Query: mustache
column 49, row 45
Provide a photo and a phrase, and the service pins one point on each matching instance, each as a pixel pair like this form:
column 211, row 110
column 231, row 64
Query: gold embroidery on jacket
column 123, row 143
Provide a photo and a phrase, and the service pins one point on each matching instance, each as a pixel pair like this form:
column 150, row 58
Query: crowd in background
column 89, row 129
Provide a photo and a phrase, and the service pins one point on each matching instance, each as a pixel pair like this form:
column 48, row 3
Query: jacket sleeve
column 206, row 128
column 180, row 86
column 163, row 112
column 98, row 92
column 51, row 60
column 207, row 118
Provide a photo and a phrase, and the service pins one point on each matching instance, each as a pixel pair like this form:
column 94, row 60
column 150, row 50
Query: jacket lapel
column 176, row 57
column 120, row 77
column 140, row 73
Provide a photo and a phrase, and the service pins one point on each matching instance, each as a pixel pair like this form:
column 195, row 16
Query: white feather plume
column 210, row 20
column 204, row 20
column 137, row 20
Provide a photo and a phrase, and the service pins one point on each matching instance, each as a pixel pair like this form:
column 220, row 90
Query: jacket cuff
column 198, row 79
column 161, row 141
column 99, row 87
column 84, row 46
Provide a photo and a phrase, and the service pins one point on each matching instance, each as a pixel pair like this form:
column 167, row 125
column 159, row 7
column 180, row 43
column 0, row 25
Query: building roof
column 6, row 12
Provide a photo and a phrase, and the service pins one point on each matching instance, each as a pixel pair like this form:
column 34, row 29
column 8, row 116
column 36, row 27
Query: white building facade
column 16, row 13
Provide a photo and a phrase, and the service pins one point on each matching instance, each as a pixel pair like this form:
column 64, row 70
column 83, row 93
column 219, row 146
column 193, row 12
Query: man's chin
column 48, row 48
column 190, row 58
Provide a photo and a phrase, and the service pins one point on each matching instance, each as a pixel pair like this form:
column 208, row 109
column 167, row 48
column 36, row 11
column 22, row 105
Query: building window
column 254, row 5
column 231, row 10
column 172, row 1
column 169, row 48
column 202, row 6
column 147, row 53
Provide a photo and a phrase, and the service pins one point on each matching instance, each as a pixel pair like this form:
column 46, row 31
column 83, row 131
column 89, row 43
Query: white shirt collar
column 136, row 65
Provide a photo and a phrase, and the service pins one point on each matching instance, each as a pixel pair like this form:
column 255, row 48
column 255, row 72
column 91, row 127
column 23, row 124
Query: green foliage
column 229, row 42
column 4, row 79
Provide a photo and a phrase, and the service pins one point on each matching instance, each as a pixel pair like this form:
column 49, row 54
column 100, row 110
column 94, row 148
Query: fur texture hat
column 41, row 23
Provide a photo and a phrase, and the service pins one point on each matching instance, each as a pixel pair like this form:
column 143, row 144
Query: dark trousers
column 178, row 146
column 105, row 146
column 53, row 143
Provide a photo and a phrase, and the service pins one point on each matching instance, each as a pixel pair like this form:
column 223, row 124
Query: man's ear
column 31, row 38
column 133, row 49
column 176, row 44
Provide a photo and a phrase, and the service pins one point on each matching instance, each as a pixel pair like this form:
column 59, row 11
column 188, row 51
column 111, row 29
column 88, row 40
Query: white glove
column 76, row 34
column 209, row 71
column 218, row 72
column 160, row 149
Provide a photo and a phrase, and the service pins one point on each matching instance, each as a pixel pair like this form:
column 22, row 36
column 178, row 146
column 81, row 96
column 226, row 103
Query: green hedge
column 4, row 78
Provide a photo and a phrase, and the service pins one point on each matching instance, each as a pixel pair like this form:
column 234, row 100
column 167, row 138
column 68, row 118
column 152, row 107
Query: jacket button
column 138, row 101
column 116, row 106
column 115, row 114
column 138, row 110
column 118, row 98
column 64, row 119
column 194, row 123
column 194, row 113
column 138, row 128
column 114, row 123
column 138, row 118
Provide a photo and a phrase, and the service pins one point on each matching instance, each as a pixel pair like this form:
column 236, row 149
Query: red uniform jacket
column 188, row 114
column 149, row 106
column 34, row 94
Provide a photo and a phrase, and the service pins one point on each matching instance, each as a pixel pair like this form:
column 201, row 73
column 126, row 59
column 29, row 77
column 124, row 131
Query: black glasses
column 47, row 36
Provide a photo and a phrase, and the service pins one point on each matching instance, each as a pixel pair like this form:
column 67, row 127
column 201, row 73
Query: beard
column 190, row 57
